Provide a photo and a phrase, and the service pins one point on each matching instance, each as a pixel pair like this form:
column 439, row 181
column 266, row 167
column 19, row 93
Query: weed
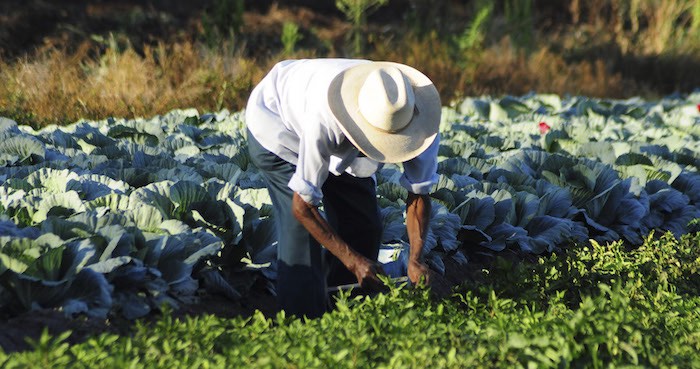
column 356, row 11
column 290, row 37
column 472, row 38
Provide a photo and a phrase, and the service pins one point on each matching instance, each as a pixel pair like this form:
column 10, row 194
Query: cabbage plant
column 121, row 216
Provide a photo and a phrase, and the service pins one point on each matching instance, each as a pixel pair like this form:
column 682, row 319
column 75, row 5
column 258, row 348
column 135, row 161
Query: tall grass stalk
column 356, row 11
column 290, row 37
column 695, row 14
column 667, row 24
column 473, row 36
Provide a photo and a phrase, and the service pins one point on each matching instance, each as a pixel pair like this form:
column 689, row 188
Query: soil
column 17, row 332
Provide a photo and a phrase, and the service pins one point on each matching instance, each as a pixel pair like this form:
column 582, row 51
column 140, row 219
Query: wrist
column 351, row 260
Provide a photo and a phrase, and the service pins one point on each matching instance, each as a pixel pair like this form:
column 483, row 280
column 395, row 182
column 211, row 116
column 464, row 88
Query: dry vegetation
column 612, row 48
column 61, row 87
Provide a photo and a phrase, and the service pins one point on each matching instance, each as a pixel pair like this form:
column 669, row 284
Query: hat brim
column 376, row 144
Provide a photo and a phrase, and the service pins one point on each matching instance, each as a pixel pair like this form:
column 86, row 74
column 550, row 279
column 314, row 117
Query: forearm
column 309, row 216
column 417, row 218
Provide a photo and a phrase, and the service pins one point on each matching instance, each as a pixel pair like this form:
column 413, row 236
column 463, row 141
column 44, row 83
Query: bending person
column 318, row 130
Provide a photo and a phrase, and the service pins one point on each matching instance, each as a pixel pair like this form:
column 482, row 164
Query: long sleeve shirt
column 288, row 114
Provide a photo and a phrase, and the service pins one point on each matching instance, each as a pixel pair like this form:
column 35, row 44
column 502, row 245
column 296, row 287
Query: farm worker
column 318, row 130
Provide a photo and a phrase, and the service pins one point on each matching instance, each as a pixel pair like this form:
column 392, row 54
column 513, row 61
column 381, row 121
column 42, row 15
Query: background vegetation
column 92, row 59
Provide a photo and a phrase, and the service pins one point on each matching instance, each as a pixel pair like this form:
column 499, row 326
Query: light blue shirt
column 288, row 114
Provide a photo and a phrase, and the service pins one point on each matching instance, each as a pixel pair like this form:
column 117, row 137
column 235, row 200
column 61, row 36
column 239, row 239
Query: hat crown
column 386, row 99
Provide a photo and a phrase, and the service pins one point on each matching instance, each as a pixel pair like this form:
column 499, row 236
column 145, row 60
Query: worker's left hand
column 418, row 272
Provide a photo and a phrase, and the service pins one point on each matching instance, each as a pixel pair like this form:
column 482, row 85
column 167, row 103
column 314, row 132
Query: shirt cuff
column 420, row 188
column 307, row 191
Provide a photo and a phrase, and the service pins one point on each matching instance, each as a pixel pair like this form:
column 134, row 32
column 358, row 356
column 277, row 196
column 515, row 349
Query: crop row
column 590, row 307
column 125, row 215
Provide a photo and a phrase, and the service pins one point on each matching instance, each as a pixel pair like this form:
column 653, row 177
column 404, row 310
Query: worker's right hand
column 367, row 273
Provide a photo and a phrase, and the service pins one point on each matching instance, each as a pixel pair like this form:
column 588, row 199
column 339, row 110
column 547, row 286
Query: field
column 565, row 228
column 570, row 223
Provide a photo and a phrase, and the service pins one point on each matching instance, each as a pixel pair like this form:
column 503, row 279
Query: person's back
column 302, row 116
column 291, row 99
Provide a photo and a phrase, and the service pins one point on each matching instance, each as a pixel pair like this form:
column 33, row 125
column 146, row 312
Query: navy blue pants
column 304, row 267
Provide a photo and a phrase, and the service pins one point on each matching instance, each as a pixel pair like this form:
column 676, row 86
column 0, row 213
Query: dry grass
column 429, row 55
column 56, row 87
column 642, row 27
column 507, row 69
column 60, row 87
column 611, row 48
column 502, row 68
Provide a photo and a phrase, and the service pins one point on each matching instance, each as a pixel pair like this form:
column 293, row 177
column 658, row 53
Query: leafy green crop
column 143, row 210
column 594, row 306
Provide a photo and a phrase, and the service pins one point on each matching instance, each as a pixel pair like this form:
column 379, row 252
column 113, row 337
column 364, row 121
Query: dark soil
column 17, row 332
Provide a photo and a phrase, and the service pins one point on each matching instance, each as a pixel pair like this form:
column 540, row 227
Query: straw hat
column 389, row 111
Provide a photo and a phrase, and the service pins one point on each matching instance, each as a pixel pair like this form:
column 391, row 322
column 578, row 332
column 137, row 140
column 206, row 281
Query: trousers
column 304, row 267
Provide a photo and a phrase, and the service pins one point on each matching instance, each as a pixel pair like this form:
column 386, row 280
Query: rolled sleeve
column 312, row 165
column 419, row 188
column 306, row 190
column 420, row 173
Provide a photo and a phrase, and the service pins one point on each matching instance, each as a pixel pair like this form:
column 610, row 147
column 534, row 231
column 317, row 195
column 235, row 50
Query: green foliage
column 695, row 23
column 597, row 306
column 87, row 241
column 470, row 42
column 290, row 37
column 132, row 209
column 356, row 11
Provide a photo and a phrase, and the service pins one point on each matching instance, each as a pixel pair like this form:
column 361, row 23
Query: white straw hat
column 389, row 111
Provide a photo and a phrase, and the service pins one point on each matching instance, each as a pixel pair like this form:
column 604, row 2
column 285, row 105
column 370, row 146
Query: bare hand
column 366, row 272
column 418, row 272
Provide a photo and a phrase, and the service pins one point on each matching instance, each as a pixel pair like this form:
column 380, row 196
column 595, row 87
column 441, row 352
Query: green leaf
column 185, row 193
column 59, row 204
column 48, row 265
column 114, row 201
column 54, row 180
column 633, row 159
column 228, row 172
column 479, row 212
column 517, row 341
column 17, row 254
column 89, row 294
column 133, row 134
column 146, row 217
column 109, row 265
column 26, row 149
column 155, row 194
